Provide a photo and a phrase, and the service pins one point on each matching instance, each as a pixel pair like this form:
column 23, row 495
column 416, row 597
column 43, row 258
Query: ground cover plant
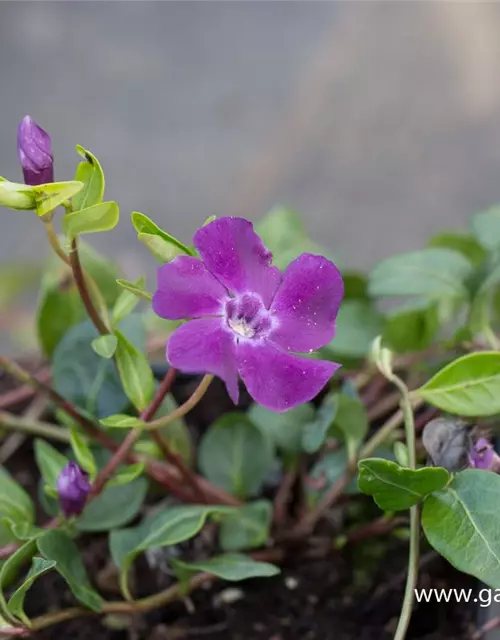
column 255, row 405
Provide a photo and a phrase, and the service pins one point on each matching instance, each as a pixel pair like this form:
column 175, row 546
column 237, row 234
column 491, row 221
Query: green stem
column 414, row 551
column 190, row 403
column 33, row 427
column 54, row 241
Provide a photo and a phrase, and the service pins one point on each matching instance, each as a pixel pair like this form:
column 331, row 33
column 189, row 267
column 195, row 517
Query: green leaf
column 94, row 219
column 126, row 474
column 315, row 432
column 176, row 433
column 58, row 547
column 105, row 346
column 395, row 488
column 285, row 430
column 401, row 453
column 463, row 524
column 464, row 243
column 486, row 228
column 83, row 453
column 15, row 505
column 434, row 273
column 411, row 327
column 50, row 196
column 162, row 250
column 122, row 421
column 144, row 225
column 355, row 285
column 283, row 232
column 351, row 423
column 49, row 461
column 115, row 507
column 247, row 528
column 14, row 195
column 136, row 289
column 86, row 379
column 10, row 571
column 468, row 386
column 166, row 528
column 127, row 301
column 135, row 373
column 358, row 324
column 16, row 603
column 230, row 566
column 235, row 455
column 91, row 174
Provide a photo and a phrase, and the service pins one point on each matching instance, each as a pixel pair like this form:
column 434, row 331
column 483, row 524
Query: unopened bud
column 35, row 153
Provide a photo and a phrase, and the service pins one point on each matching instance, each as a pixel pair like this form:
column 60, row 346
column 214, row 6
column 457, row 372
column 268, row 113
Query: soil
column 352, row 594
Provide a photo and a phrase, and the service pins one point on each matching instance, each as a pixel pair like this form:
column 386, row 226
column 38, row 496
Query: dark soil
column 353, row 594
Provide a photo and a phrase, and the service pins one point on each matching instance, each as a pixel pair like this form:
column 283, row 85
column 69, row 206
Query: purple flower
column 483, row 456
column 248, row 318
column 73, row 487
column 35, row 154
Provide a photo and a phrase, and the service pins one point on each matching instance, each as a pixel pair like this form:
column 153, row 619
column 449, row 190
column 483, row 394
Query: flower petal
column 278, row 380
column 205, row 346
column 186, row 289
column 306, row 304
column 234, row 253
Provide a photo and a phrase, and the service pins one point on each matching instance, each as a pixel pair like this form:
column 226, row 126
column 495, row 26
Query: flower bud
column 73, row 487
column 483, row 456
column 35, row 154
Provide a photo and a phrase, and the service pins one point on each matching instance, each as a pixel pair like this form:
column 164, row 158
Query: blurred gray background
column 380, row 121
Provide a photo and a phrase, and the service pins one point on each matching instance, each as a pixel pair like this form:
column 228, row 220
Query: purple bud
column 73, row 487
column 483, row 456
column 35, row 153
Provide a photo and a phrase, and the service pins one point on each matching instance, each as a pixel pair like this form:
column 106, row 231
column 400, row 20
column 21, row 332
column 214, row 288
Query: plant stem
column 190, row 403
column 175, row 592
column 33, row 427
column 411, row 578
column 76, row 267
column 54, row 241
column 25, row 392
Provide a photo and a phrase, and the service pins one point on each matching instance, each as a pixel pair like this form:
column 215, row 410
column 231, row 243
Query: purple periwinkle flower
column 483, row 456
column 249, row 319
column 35, row 154
column 73, row 487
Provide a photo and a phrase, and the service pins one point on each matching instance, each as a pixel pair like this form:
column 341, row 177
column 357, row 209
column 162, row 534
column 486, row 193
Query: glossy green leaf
column 52, row 195
column 58, row 547
column 83, row 453
column 358, row 324
column 126, row 474
column 15, row 605
column 105, row 346
column 283, row 231
column 15, row 505
column 127, row 301
column 247, row 528
column 122, row 421
column 230, row 566
column 486, row 228
column 350, row 423
column 91, row 174
column 144, row 225
column 468, row 386
column 315, row 431
column 10, row 571
column 285, row 430
column 464, row 243
column 235, row 455
column 49, row 461
column 14, row 195
column 135, row 373
column 463, row 524
column 136, row 289
column 166, row 528
column 115, row 507
column 94, row 219
column 411, row 327
column 395, row 488
column 83, row 377
column 161, row 249
column 435, row 273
